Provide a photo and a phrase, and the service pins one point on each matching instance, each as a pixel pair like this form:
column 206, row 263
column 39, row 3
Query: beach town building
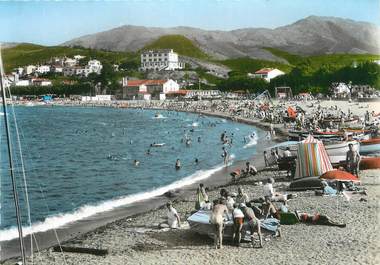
column 94, row 66
column 41, row 82
column 340, row 90
column 164, row 59
column 210, row 93
column 29, row 69
column 70, row 62
column 79, row 57
column 57, row 69
column 266, row 73
column 151, row 88
column 22, row 82
column 43, row 69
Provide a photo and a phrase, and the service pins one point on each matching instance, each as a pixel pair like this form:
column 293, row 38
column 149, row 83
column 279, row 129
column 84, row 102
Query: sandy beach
column 137, row 240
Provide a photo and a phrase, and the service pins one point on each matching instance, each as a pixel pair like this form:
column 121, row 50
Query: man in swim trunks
column 254, row 223
column 238, row 217
column 352, row 160
column 217, row 218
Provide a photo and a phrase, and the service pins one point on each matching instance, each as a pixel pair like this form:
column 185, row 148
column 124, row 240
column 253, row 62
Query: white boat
column 200, row 223
column 158, row 145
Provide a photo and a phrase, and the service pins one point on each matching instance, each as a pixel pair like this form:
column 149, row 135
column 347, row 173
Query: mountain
column 310, row 36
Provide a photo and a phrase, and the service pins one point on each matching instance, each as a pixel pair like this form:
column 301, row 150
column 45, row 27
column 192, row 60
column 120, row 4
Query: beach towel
column 288, row 219
column 270, row 224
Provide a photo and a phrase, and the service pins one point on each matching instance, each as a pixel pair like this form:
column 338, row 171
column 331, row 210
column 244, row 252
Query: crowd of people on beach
column 246, row 214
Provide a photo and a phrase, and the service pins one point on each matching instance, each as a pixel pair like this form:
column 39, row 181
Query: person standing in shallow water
column 177, row 164
column 225, row 156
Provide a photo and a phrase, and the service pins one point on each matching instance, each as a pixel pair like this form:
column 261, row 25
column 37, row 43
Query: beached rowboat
column 370, row 146
column 200, row 223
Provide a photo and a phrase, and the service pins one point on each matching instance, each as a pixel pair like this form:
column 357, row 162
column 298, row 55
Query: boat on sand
column 200, row 223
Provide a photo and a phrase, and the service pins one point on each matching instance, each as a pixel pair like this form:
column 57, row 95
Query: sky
column 51, row 22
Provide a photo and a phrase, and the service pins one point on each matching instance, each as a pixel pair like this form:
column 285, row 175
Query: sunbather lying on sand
column 217, row 218
column 317, row 219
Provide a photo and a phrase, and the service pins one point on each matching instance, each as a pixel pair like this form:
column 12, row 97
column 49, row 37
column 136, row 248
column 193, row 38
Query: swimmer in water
column 148, row 152
column 137, row 163
column 177, row 164
column 196, row 161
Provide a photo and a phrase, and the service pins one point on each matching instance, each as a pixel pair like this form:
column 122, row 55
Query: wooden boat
column 370, row 163
column 370, row 146
column 200, row 223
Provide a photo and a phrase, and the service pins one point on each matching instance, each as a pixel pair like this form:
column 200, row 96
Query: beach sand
column 137, row 240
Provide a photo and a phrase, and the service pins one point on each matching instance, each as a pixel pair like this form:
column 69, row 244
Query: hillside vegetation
column 249, row 65
column 311, row 64
column 180, row 44
column 24, row 54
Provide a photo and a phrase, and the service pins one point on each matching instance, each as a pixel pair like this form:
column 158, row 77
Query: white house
column 57, row 69
column 203, row 93
column 43, row 69
column 30, row 69
column 41, row 82
column 165, row 59
column 79, row 57
column 266, row 73
column 70, row 62
column 94, row 66
column 22, row 83
column 155, row 88
column 340, row 89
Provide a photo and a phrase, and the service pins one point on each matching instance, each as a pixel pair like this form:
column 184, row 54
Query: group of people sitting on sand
column 245, row 213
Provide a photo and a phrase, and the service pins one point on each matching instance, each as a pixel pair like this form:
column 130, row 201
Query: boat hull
column 200, row 223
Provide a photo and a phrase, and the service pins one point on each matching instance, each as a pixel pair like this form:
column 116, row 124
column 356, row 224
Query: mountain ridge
column 309, row 36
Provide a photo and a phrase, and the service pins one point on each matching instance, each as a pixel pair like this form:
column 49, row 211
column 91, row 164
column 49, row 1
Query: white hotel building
column 158, row 60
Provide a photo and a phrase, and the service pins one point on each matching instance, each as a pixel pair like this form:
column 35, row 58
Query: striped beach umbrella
column 312, row 158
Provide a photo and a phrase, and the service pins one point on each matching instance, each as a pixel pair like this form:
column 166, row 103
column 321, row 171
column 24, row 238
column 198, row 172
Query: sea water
column 80, row 161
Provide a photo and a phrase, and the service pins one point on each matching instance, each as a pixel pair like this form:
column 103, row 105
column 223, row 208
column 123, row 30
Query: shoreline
column 69, row 232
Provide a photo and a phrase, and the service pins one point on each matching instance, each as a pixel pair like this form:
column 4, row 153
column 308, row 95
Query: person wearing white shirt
column 287, row 152
column 174, row 220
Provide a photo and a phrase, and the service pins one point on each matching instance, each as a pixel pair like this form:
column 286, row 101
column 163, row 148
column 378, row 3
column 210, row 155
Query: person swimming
column 177, row 164
column 137, row 163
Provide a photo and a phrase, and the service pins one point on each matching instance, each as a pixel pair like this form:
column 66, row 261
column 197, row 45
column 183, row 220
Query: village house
column 340, row 90
column 41, row 82
column 57, row 69
column 165, row 59
column 147, row 89
column 69, row 62
column 266, row 73
column 22, row 82
column 94, row 66
column 79, row 57
column 42, row 69
column 29, row 69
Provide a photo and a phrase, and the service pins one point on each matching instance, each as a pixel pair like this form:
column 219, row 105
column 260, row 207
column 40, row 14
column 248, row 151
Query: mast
column 10, row 158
